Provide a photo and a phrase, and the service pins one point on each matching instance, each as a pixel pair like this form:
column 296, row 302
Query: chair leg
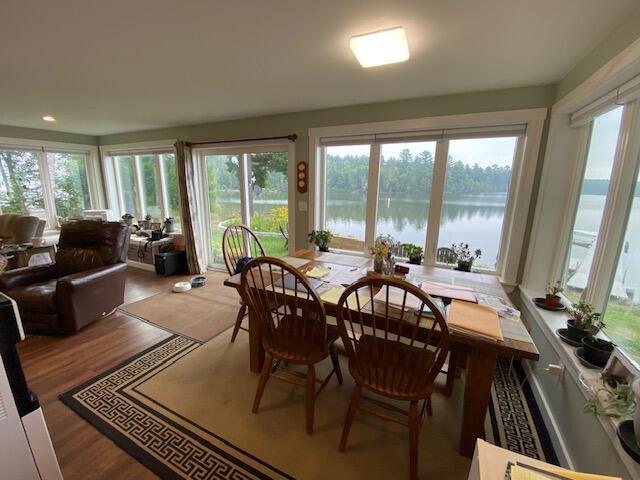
column 264, row 376
column 429, row 407
column 311, row 397
column 239, row 318
column 336, row 363
column 351, row 413
column 414, row 431
column 451, row 372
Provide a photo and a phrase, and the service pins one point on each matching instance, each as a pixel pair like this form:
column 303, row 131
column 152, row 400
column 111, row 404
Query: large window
column 247, row 186
column 593, row 194
column 52, row 184
column 427, row 192
column 406, row 173
column 476, row 189
column 21, row 190
column 622, row 317
column 68, row 173
column 347, row 171
column 602, row 261
column 146, row 184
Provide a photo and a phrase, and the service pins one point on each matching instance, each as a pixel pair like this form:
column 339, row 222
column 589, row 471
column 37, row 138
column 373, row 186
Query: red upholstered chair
column 84, row 284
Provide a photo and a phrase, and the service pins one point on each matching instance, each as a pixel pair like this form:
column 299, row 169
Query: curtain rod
column 293, row 137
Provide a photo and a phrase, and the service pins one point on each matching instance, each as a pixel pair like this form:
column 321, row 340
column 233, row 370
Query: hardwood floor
column 55, row 365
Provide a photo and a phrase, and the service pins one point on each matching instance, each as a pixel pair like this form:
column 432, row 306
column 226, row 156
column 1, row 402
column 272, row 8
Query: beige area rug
column 200, row 314
column 184, row 410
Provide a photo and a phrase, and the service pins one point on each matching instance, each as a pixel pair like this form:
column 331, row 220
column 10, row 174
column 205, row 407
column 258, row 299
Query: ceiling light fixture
column 381, row 47
column 49, row 118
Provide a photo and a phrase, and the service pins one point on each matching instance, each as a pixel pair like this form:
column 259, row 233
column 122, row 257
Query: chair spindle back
column 239, row 241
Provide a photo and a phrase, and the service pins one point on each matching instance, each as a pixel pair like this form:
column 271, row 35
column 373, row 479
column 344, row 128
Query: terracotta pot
column 597, row 351
column 576, row 334
column 552, row 301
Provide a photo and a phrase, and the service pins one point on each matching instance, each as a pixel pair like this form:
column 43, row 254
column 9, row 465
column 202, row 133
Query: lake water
column 473, row 219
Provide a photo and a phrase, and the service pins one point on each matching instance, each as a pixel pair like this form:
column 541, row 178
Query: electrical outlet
column 556, row 370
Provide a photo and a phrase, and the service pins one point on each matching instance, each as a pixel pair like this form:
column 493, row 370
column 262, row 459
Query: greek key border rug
column 172, row 451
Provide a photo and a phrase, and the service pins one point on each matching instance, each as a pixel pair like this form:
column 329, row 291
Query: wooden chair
column 238, row 242
column 293, row 326
column 392, row 354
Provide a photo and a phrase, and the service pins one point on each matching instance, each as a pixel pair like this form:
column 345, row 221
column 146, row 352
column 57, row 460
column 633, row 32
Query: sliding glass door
column 247, row 186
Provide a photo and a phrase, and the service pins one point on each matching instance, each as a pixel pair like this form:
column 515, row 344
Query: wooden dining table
column 482, row 353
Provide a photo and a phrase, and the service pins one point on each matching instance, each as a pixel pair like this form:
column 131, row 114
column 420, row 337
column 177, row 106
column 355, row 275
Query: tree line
column 412, row 175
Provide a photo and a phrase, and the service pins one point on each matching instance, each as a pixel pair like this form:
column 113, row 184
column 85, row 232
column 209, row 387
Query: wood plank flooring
column 54, row 365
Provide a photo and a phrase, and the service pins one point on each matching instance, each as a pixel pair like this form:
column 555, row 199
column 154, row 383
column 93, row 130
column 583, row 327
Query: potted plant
column 461, row 254
column 584, row 321
column 414, row 253
column 169, row 225
column 597, row 350
column 127, row 218
column 382, row 250
column 321, row 238
column 552, row 299
column 611, row 396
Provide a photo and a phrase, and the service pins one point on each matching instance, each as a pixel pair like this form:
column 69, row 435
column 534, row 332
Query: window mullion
column 373, row 185
column 322, row 190
column 162, row 184
column 47, row 190
column 616, row 210
column 245, row 174
column 435, row 202
column 137, row 172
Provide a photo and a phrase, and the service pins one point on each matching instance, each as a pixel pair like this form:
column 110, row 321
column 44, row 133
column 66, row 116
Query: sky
column 602, row 146
column 483, row 151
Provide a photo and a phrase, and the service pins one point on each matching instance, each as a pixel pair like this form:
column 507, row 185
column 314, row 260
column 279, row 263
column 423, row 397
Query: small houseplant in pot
column 610, row 397
column 597, row 350
column 552, row 299
column 414, row 253
column 461, row 254
column 169, row 225
column 321, row 238
column 584, row 321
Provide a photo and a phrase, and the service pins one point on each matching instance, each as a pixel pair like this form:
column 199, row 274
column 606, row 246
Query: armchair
column 86, row 282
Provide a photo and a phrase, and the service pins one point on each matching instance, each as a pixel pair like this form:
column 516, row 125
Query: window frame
column 111, row 171
column 41, row 148
column 617, row 208
column 520, row 190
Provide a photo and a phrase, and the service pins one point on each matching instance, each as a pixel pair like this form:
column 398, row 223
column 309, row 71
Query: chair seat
column 297, row 350
column 401, row 363
column 38, row 297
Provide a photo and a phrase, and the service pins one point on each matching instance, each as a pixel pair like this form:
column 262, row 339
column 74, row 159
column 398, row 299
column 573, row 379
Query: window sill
column 549, row 322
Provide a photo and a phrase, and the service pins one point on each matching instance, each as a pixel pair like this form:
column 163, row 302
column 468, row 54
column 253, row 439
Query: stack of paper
column 334, row 292
column 318, row 272
column 396, row 298
column 443, row 290
column 474, row 319
column 524, row 471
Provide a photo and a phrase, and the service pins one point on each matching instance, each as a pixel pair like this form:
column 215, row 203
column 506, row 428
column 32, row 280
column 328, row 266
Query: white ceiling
column 120, row 65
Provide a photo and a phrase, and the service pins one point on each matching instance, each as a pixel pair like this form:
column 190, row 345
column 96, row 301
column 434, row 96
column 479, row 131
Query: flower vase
column 389, row 265
column 378, row 264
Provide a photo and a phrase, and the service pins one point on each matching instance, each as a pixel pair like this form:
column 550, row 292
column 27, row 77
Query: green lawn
column 623, row 326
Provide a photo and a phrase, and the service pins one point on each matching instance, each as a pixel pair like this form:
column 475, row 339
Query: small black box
column 170, row 263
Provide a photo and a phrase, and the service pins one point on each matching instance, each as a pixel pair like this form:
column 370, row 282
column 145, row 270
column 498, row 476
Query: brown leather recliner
column 86, row 282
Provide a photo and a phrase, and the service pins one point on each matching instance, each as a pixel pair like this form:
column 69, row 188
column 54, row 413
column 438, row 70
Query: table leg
column 477, row 393
column 256, row 352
